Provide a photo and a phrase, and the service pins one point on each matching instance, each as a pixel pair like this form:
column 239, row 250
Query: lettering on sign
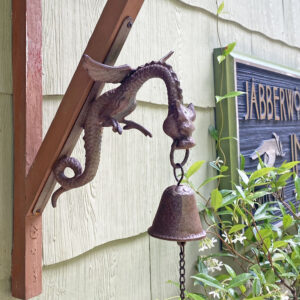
column 268, row 117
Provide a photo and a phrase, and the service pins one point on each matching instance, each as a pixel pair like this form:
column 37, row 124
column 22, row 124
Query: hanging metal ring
column 178, row 166
column 186, row 156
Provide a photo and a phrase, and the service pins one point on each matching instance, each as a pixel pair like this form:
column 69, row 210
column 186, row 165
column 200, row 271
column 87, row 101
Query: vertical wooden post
column 33, row 160
column 27, row 99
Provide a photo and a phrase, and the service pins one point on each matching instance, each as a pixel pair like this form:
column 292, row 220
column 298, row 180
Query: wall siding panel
column 67, row 26
column 160, row 27
column 115, row 271
column 5, row 47
column 121, row 201
column 275, row 19
column 165, row 267
column 6, row 185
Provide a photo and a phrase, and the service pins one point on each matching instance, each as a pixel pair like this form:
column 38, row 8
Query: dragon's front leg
column 133, row 125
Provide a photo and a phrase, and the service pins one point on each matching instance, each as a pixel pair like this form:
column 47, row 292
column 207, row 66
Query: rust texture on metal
column 177, row 217
column 64, row 132
column 111, row 110
column 27, row 110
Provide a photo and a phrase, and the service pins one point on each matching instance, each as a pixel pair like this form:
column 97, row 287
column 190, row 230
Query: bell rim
column 188, row 238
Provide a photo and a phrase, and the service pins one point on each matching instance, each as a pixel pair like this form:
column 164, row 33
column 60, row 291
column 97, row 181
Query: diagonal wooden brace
column 33, row 180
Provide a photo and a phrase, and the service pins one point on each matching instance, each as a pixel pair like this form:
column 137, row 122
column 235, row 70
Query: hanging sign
column 265, row 120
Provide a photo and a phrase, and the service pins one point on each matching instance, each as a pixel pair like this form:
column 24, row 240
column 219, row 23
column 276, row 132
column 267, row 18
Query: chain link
column 182, row 271
column 178, row 165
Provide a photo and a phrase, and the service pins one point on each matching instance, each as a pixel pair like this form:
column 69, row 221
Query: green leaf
column 242, row 162
column 194, row 168
column 264, row 233
column 201, row 267
column 221, row 254
column 279, row 244
column 240, row 190
column 243, row 176
column 292, row 206
column 289, row 165
column 213, row 132
column 229, row 95
column 257, row 195
column 262, row 209
column 278, row 256
column 216, row 199
column 260, row 297
column 224, row 169
column 260, row 173
column 297, row 186
column 256, row 287
column 288, row 275
column 270, row 276
column 209, row 280
column 221, row 58
column 267, row 244
column 230, row 271
column 229, row 199
column 287, row 221
column 283, row 178
column 228, row 138
column 236, row 228
column 239, row 280
column 210, row 179
column 220, row 8
column 229, row 48
column 289, row 260
column 195, row 296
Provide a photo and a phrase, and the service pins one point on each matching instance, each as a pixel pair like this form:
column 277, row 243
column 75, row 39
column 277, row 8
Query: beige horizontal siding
column 6, row 185
column 116, row 271
column 5, row 47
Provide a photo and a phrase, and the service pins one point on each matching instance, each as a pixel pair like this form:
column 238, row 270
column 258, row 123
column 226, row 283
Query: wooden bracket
column 34, row 158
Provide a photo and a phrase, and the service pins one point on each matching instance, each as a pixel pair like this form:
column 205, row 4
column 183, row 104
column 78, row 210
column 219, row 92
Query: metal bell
column 177, row 217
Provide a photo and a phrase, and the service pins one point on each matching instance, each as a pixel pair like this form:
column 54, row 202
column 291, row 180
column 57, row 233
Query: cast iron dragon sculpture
column 111, row 108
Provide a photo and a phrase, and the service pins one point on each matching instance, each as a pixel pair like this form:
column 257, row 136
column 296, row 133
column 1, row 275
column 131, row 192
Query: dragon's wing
column 105, row 73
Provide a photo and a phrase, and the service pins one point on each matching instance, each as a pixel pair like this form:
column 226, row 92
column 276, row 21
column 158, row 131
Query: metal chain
column 178, row 165
column 186, row 156
column 182, row 271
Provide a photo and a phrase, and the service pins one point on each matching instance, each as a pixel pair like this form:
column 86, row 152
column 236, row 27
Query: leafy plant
column 261, row 239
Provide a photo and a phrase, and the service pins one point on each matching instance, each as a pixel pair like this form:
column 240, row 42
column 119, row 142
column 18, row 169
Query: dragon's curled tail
column 92, row 145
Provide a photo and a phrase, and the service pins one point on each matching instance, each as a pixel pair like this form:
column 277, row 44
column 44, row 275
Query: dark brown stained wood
column 27, row 98
column 65, row 128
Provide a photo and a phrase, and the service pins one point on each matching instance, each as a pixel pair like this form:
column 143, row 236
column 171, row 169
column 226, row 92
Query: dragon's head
column 179, row 125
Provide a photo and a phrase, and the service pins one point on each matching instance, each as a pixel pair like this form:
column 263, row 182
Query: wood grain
column 27, row 111
column 133, row 172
